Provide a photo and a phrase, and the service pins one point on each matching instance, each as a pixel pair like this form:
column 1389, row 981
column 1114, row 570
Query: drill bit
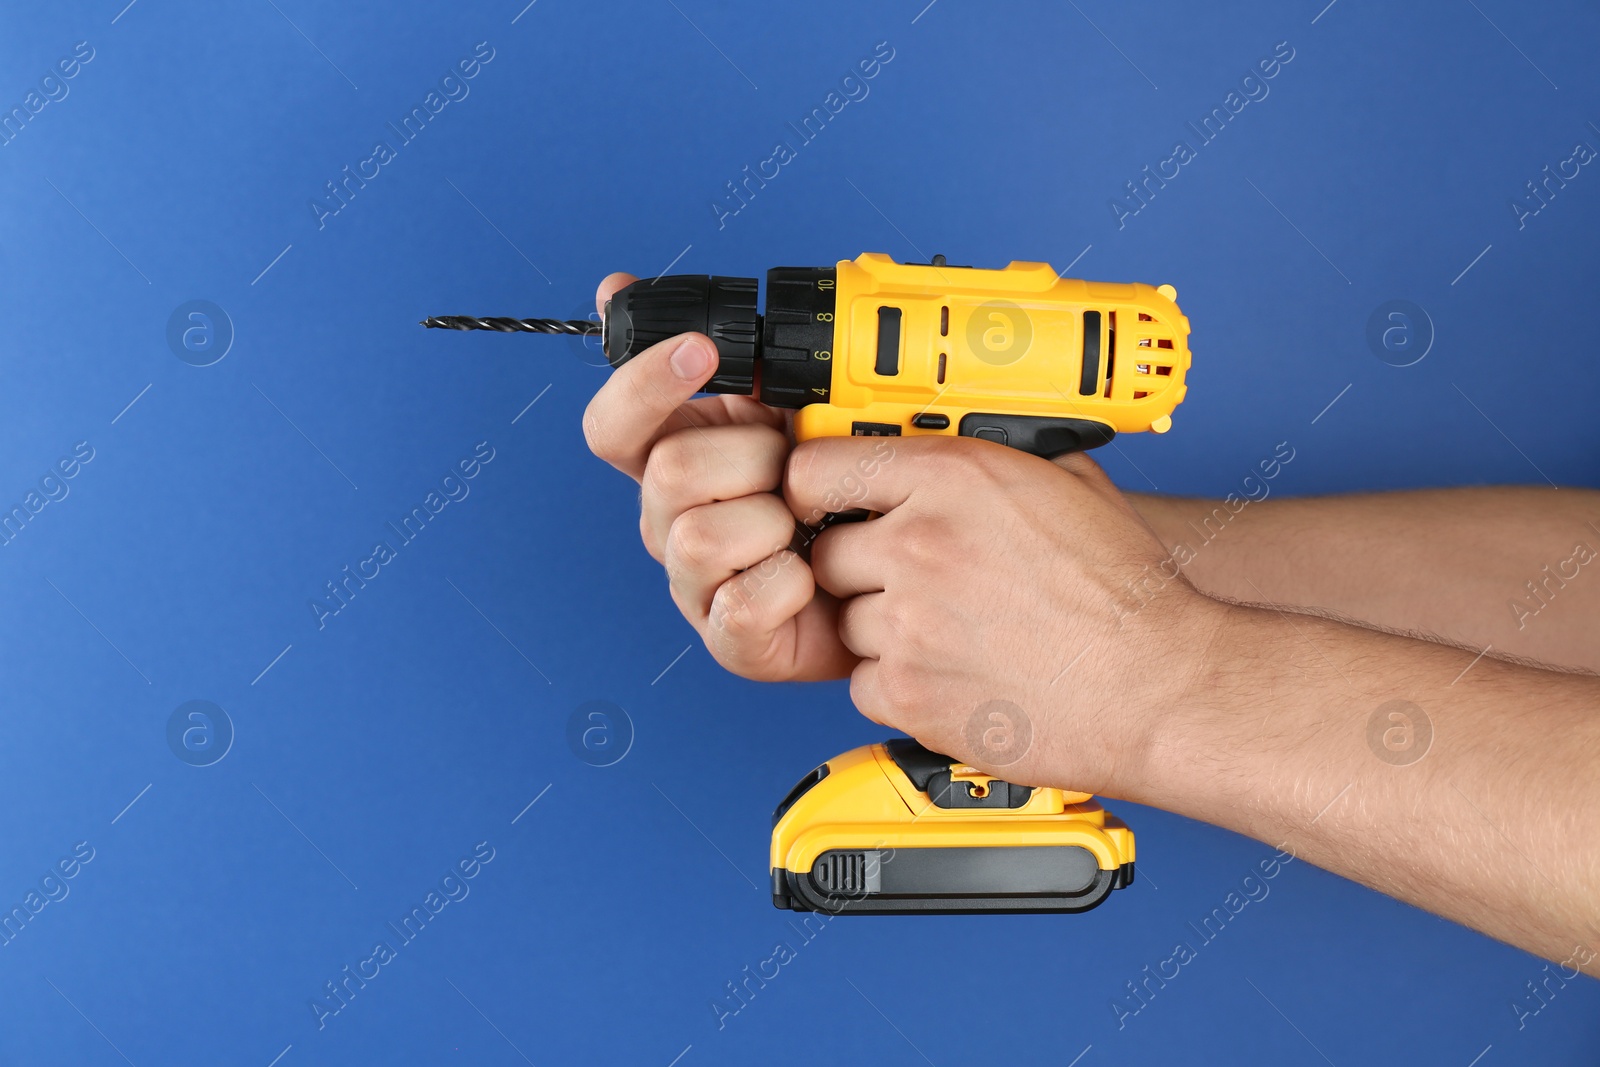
column 575, row 327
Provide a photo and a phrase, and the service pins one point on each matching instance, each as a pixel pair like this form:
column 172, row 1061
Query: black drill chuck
column 724, row 309
column 784, row 357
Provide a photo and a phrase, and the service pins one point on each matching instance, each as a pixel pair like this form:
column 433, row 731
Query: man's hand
column 708, row 469
column 994, row 575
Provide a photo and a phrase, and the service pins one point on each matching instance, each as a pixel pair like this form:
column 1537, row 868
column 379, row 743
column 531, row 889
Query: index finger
column 832, row 474
column 608, row 288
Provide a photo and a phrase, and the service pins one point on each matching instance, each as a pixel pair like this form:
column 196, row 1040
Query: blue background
column 423, row 718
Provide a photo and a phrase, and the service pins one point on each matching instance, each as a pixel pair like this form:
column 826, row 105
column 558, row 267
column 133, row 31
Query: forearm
column 1515, row 568
column 1496, row 825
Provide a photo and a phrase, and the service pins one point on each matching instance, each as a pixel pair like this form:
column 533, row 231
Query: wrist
column 1192, row 738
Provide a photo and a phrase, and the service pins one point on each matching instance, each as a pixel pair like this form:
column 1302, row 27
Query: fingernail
column 690, row 360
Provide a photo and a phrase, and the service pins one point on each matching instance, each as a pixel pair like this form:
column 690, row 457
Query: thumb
column 1080, row 464
column 1092, row 475
column 632, row 408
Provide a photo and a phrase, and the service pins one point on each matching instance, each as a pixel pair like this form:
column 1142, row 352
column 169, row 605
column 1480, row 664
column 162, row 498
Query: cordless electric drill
column 870, row 347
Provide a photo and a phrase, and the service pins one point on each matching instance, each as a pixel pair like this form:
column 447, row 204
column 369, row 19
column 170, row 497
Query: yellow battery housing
column 894, row 828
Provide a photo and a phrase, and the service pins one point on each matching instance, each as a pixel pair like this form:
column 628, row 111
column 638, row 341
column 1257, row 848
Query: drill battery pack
column 897, row 829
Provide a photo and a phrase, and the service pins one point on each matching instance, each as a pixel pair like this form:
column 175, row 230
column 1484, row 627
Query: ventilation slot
column 848, row 874
column 1111, row 355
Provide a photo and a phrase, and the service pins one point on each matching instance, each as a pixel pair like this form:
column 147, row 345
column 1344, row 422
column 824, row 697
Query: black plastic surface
column 950, row 881
column 801, row 788
column 796, row 353
column 651, row 310
column 1089, row 379
column 945, row 792
column 1124, row 876
column 874, row 429
column 929, row 772
column 1042, row 435
column 918, row 762
column 887, row 360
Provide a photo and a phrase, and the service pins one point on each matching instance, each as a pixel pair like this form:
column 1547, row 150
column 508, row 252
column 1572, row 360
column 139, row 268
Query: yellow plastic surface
column 867, row 802
column 1010, row 341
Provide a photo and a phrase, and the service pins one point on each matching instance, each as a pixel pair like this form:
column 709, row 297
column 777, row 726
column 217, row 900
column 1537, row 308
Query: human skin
column 1228, row 693
column 1451, row 564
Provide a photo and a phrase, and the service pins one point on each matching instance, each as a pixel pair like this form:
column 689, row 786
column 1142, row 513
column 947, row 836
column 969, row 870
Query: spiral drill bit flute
column 573, row 327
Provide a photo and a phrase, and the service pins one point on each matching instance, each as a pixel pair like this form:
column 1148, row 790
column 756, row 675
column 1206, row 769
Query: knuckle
column 863, row 699
column 823, row 567
column 652, row 543
column 744, row 661
column 673, row 466
column 734, row 606
column 900, row 686
column 870, row 613
column 694, row 539
column 797, row 471
column 725, row 647
column 770, row 516
column 597, row 433
column 751, row 602
column 980, row 463
column 893, row 610
column 923, row 543
column 736, row 642
column 692, row 606
column 771, row 453
column 850, row 616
